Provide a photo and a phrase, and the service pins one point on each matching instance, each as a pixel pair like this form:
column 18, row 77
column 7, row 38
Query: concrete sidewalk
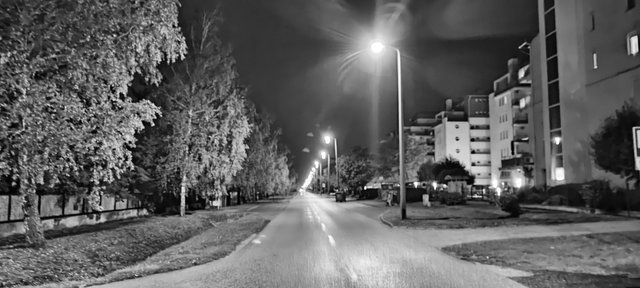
column 446, row 237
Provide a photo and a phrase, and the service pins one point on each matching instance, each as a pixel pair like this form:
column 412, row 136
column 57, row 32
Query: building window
column 593, row 21
column 552, row 69
column 631, row 4
column 554, row 93
column 632, row 43
column 595, row 60
column 554, row 117
column 549, row 22
column 551, row 44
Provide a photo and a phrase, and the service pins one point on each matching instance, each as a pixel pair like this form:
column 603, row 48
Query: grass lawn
column 93, row 251
column 477, row 214
column 593, row 260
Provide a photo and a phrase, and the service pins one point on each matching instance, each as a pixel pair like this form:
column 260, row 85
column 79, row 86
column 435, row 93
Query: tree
column 204, row 108
column 356, row 168
column 65, row 67
column 425, row 173
column 612, row 145
column 451, row 167
column 267, row 167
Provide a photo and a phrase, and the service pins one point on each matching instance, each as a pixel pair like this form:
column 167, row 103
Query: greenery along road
column 81, row 90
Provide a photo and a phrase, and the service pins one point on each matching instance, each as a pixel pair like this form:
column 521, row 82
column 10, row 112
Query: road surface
column 316, row 242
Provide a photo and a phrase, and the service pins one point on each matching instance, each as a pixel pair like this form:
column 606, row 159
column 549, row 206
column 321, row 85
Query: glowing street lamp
column 327, row 140
column 377, row 47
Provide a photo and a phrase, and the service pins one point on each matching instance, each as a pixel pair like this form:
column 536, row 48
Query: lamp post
column 377, row 47
column 327, row 140
column 325, row 155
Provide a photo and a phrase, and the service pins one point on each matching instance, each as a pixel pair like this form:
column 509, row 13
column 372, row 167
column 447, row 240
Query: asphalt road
column 316, row 242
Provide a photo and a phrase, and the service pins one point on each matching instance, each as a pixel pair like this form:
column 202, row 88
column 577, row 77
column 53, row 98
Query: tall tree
column 612, row 145
column 356, row 168
column 451, row 167
column 65, row 67
column 204, row 108
column 425, row 173
column 267, row 166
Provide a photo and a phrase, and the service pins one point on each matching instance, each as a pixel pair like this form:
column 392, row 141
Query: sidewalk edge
column 385, row 221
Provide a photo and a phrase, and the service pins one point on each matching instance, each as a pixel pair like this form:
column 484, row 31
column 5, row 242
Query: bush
column 509, row 203
column 448, row 198
column 556, row 200
column 593, row 192
column 569, row 192
column 531, row 195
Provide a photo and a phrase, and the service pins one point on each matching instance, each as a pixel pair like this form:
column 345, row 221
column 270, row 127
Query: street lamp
column 327, row 140
column 377, row 47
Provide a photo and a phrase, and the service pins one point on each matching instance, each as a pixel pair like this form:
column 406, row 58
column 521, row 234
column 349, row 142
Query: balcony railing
column 480, row 139
column 480, row 151
column 517, row 162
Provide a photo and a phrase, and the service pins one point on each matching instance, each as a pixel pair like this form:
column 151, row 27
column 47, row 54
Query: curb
column 385, row 221
column 244, row 243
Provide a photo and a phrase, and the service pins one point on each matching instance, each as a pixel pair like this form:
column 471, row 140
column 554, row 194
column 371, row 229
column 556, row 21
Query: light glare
column 377, row 47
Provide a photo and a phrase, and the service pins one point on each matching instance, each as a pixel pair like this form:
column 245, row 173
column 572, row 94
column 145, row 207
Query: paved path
column 316, row 242
column 446, row 237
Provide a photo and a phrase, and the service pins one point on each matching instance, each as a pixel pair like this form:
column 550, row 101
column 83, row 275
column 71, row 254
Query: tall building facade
column 511, row 111
column 476, row 108
column 590, row 66
column 463, row 134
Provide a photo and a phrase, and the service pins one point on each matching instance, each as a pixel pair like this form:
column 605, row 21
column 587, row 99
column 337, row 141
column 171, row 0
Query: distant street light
column 377, row 47
column 327, row 140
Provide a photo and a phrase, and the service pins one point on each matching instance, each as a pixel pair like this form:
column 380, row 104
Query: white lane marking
column 332, row 241
column 324, row 227
column 254, row 207
column 256, row 241
column 352, row 274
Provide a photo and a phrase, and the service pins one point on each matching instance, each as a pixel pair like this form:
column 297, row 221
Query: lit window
column 595, row 60
column 560, row 173
column 632, row 43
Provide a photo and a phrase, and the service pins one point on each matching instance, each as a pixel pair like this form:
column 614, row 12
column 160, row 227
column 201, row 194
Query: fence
column 60, row 211
column 56, row 206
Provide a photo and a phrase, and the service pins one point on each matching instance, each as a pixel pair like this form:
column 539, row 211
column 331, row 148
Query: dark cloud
column 296, row 57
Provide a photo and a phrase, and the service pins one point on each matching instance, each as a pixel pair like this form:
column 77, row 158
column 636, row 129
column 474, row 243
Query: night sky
column 294, row 56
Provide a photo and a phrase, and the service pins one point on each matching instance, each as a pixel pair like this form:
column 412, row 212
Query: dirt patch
column 481, row 215
column 92, row 254
column 557, row 259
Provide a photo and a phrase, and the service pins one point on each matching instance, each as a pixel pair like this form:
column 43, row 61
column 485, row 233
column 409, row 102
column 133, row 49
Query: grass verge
column 211, row 245
column 95, row 252
column 482, row 215
column 592, row 260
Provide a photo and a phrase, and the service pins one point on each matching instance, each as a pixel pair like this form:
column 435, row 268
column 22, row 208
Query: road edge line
column 385, row 221
column 244, row 243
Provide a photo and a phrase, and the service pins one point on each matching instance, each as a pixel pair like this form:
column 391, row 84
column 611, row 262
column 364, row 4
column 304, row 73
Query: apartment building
column 511, row 113
column 463, row 134
column 589, row 66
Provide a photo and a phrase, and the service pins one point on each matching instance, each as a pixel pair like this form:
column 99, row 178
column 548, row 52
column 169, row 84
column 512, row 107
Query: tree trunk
column 32, row 223
column 183, row 195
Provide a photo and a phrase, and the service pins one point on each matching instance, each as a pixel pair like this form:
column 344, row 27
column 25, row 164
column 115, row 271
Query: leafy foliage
column 204, row 113
column 509, row 203
column 267, row 167
column 451, row 167
column 612, row 144
column 65, row 67
column 356, row 168
column 425, row 173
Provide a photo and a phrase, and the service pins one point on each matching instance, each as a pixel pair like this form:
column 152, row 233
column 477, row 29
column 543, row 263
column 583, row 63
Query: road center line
column 324, row 227
column 332, row 241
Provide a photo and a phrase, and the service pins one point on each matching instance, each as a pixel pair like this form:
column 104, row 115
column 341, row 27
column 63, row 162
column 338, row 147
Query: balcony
column 480, row 139
column 515, row 162
column 481, row 164
column 479, row 127
column 480, row 151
